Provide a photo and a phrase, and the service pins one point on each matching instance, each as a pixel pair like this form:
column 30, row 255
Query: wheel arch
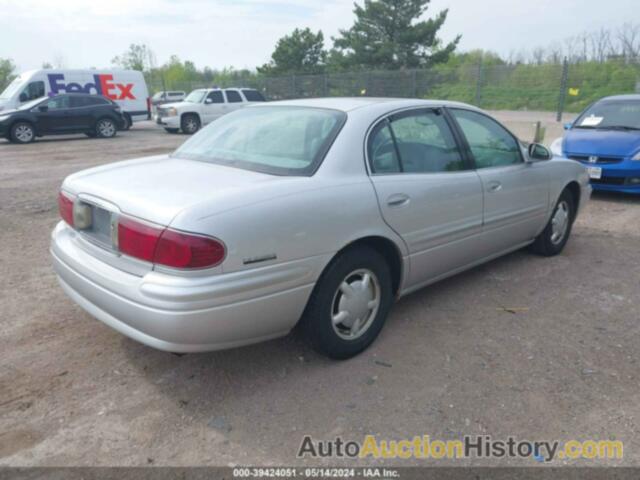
column 387, row 248
column 194, row 114
column 574, row 188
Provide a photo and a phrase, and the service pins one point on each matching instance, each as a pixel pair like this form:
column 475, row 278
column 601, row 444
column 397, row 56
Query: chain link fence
column 548, row 87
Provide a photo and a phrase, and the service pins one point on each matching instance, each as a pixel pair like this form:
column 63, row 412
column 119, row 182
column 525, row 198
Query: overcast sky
column 242, row 33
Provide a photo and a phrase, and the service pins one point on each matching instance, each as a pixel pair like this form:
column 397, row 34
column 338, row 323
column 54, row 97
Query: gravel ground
column 452, row 359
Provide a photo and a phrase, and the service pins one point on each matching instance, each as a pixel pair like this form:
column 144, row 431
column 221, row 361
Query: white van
column 126, row 87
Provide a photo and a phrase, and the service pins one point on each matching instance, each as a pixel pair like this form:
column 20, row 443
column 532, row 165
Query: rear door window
column 233, row 96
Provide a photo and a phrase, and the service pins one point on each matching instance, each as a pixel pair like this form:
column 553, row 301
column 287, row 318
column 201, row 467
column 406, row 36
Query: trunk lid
column 157, row 188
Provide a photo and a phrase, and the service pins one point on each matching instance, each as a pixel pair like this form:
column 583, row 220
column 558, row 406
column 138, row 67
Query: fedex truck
column 126, row 87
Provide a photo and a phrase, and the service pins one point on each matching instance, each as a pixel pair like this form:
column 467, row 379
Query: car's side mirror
column 208, row 101
column 23, row 97
column 43, row 108
column 567, row 126
column 539, row 152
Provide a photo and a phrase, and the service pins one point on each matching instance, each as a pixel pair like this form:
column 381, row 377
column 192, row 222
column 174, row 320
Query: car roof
column 346, row 104
column 622, row 97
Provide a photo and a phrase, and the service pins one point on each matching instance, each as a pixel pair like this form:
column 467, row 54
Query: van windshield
column 12, row 88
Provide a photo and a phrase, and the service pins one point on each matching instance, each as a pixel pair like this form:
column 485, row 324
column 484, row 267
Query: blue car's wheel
column 556, row 234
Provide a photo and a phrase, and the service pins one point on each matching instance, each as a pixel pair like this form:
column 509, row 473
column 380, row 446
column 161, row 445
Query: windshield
column 611, row 114
column 275, row 140
column 12, row 88
column 196, row 96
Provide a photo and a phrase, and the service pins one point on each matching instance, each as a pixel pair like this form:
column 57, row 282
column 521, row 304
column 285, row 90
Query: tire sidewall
column 183, row 123
column 15, row 139
column 549, row 246
column 317, row 320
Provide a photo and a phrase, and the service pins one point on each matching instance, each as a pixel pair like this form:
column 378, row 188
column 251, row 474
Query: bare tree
column 554, row 53
column 629, row 38
column 538, row 55
column 601, row 45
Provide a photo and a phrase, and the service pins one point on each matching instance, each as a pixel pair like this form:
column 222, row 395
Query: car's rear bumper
column 183, row 313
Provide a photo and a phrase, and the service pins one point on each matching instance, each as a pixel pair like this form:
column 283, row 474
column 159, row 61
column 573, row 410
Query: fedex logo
column 102, row 85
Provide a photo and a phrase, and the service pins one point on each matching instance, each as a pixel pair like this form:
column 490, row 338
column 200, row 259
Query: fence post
column 479, row 83
column 563, row 89
column 414, row 80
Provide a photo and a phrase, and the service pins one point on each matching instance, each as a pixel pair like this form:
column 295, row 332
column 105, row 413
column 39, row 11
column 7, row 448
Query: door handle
column 494, row 186
column 398, row 200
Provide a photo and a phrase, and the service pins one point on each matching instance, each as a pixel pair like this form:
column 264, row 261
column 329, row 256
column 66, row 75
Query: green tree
column 7, row 68
column 388, row 34
column 301, row 52
column 137, row 57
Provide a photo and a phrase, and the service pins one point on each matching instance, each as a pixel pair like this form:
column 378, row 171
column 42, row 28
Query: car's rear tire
column 556, row 233
column 190, row 123
column 22, row 132
column 106, row 128
column 172, row 130
column 349, row 304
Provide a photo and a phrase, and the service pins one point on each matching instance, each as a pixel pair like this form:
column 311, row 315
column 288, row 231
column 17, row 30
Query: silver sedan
column 318, row 213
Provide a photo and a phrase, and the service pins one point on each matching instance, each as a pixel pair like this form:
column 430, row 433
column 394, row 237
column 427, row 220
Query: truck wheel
column 22, row 132
column 106, row 128
column 349, row 304
column 190, row 123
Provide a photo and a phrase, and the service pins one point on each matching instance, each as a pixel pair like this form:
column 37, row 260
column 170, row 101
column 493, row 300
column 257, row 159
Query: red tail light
column 137, row 239
column 168, row 247
column 65, row 205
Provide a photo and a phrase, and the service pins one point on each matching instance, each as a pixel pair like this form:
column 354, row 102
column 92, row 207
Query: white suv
column 203, row 106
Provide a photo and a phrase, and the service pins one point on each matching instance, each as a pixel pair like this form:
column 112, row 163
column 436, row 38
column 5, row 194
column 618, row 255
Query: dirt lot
column 563, row 364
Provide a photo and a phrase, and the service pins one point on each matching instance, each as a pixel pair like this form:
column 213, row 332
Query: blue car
column 606, row 139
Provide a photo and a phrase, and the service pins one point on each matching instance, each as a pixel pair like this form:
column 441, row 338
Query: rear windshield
column 274, row 140
column 611, row 115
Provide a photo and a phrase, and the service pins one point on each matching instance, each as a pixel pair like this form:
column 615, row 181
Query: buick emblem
column 593, row 159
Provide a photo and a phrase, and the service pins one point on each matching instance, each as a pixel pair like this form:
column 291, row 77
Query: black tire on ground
column 172, row 130
column 190, row 123
column 106, row 128
column 556, row 233
column 127, row 122
column 331, row 300
column 22, row 132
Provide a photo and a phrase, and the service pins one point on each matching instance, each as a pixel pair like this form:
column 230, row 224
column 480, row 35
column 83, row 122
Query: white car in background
column 160, row 98
column 203, row 106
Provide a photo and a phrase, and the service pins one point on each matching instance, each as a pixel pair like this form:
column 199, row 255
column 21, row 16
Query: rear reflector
column 168, row 247
column 65, row 205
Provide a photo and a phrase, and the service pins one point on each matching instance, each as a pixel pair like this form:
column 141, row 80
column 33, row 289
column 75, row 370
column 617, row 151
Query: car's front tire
column 349, row 304
column 22, row 132
column 106, row 128
column 190, row 123
column 556, row 233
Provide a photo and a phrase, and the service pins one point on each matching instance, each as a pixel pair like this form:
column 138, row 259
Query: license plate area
column 595, row 172
column 103, row 229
